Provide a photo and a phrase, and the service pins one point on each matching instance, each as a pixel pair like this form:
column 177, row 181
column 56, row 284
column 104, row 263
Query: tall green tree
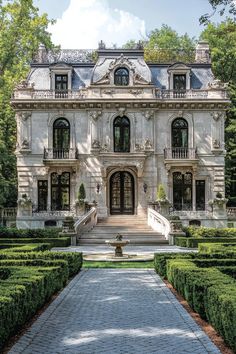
column 222, row 41
column 22, row 29
column 166, row 45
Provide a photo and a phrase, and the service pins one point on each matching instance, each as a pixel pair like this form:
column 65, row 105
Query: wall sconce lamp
column 145, row 187
column 98, row 187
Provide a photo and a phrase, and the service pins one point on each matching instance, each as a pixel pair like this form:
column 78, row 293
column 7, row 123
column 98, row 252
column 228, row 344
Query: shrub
column 24, row 291
column 6, row 232
column 16, row 247
column 209, row 292
column 228, row 249
column 81, row 193
column 54, row 242
column 161, row 194
column 192, row 242
column 74, row 259
column 210, row 232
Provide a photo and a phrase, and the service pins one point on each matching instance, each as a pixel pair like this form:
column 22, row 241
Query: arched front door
column 122, row 193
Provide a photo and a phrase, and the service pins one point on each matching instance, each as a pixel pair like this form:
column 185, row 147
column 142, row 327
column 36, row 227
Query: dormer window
column 179, row 79
column 121, row 77
column 61, row 79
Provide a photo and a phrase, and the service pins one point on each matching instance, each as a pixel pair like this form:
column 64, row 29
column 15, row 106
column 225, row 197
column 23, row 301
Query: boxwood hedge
column 74, row 259
column 209, row 292
column 6, row 232
column 55, row 242
column 24, row 290
column 192, row 242
column 210, row 232
column 16, row 247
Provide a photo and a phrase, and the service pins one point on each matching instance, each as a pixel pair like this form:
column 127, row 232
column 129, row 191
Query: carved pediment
column 178, row 67
column 137, row 76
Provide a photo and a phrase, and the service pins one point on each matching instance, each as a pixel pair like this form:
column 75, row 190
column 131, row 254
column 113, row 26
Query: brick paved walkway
column 115, row 311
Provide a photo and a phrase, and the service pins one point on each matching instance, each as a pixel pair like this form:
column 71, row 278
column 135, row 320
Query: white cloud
column 86, row 22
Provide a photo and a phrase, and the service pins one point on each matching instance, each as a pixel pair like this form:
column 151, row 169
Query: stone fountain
column 118, row 243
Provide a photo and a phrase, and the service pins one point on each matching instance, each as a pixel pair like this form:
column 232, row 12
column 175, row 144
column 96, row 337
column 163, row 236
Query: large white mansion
column 121, row 127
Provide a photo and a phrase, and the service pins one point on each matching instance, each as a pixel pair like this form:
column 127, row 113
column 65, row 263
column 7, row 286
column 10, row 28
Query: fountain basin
column 118, row 244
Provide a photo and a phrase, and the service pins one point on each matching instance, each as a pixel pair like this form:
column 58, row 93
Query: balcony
column 179, row 155
column 60, row 156
column 191, row 94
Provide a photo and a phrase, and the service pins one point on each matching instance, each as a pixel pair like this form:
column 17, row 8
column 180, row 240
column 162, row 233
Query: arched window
column 179, row 133
column 182, row 191
column 60, row 191
column 61, row 138
column 121, row 130
column 121, row 77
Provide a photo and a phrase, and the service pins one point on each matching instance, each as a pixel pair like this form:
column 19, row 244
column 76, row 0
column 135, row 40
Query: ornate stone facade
column 161, row 124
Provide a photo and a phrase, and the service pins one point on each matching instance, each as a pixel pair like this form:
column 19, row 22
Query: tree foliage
column 220, row 6
column 222, row 41
column 166, row 45
column 22, row 29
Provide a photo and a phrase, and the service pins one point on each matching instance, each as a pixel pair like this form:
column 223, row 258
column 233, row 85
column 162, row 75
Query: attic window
column 121, row 77
column 179, row 83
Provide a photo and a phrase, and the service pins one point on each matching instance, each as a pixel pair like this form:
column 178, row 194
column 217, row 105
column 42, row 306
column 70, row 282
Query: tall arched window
column 121, row 130
column 121, row 77
column 60, row 191
column 179, row 133
column 182, row 191
column 61, row 138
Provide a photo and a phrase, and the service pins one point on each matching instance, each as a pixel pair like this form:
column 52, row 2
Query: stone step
column 127, row 236
column 137, row 242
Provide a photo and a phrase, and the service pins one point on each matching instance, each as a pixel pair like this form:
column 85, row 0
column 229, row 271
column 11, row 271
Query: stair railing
column 86, row 222
column 158, row 223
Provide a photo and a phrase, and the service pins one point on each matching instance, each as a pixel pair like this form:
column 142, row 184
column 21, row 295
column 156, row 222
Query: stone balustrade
column 180, row 153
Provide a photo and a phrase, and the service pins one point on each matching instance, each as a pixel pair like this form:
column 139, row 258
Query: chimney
column 202, row 54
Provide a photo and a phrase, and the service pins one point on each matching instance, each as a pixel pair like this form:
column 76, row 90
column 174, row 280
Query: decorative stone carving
column 101, row 45
column 105, row 148
column 25, row 116
column 25, row 85
column 216, row 144
column 148, row 144
column 217, row 85
column 95, row 115
column 138, row 79
column 96, row 144
column 25, row 144
column 107, row 91
column 216, row 115
column 121, row 111
column 135, row 92
column 149, row 114
column 138, row 147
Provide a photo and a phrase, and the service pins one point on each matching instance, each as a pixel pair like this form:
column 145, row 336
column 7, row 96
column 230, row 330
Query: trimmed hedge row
column 6, row 232
column 202, row 260
column 25, row 290
column 228, row 249
column 16, row 247
column 55, row 242
column 209, row 292
column 74, row 259
column 192, row 242
column 210, row 232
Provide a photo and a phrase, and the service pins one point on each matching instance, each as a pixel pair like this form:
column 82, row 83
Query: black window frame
column 42, row 194
column 121, row 76
column 57, row 204
column 178, row 126
column 180, row 186
column 121, row 124
column 200, row 187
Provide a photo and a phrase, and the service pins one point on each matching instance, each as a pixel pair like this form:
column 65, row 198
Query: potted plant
column 162, row 200
column 80, row 204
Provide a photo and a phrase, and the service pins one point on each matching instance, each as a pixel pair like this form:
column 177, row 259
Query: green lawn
column 100, row 264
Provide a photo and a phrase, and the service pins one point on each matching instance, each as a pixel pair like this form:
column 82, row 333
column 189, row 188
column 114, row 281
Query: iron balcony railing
column 60, row 154
column 180, row 153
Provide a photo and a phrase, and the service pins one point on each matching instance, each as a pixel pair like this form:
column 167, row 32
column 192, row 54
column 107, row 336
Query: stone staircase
column 131, row 227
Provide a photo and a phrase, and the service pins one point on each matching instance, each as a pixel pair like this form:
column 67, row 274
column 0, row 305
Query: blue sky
column 82, row 23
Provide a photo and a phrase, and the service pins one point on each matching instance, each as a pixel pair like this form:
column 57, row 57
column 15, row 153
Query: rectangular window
column 42, row 195
column 61, row 86
column 200, row 195
column 179, row 85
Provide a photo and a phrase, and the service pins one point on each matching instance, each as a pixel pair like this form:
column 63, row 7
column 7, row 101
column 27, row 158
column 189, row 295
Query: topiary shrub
column 161, row 194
